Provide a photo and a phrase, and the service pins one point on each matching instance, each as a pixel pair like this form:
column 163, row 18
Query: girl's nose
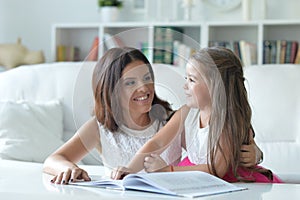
column 185, row 85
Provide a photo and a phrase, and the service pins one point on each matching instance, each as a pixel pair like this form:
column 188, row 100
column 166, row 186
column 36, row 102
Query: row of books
column 109, row 41
column 280, row 52
column 177, row 56
column 164, row 38
column 71, row 53
column 67, row 53
column 246, row 51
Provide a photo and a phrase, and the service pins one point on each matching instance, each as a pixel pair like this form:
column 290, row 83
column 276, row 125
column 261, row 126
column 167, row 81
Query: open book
column 187, row 183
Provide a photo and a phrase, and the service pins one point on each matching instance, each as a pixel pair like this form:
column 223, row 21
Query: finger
column 85, row 176
column 53, row 179
column 154, row 155
column 59, row 178
column 245, row 148
column 75, row 174
column 148, row 159
column 245, row 164
column 146, row 164
column 117, row 173
column 66, row 176
column 247, row 154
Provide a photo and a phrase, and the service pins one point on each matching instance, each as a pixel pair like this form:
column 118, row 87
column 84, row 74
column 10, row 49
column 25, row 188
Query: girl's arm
column 156, row 145
column 221, row 165
column 61, row 163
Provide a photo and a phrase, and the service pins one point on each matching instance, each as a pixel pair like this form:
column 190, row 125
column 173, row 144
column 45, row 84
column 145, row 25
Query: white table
column 20, row 180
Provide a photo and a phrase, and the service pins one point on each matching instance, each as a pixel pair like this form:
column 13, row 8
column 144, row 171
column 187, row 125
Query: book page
column 102, row 183
column 188, row 183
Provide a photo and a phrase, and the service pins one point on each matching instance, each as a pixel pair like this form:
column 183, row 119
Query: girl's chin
column 191, row 105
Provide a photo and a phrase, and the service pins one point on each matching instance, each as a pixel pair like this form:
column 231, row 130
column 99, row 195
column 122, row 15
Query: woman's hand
column 72, row 175
column 251, row 155
column 154, row 163
column 120, row 173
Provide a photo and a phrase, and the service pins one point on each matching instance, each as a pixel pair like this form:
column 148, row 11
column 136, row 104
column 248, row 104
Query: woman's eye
column 129, row 83
column 147, row 78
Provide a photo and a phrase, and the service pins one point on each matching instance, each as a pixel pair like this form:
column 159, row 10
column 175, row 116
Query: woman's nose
column 141, row 86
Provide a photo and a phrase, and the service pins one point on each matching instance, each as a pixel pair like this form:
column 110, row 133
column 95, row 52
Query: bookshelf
column 193, row 34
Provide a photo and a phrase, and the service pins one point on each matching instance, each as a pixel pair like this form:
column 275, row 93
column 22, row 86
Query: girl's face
column 137, row 88
column 196, row 90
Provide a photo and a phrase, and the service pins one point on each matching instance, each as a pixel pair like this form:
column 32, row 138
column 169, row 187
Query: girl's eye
column 189, row 79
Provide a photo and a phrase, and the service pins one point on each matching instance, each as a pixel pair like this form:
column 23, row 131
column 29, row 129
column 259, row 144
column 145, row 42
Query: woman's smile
column 142, row 98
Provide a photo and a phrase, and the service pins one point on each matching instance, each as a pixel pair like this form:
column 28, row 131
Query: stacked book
column 67, row 53
column 280, row 52
column 246, row 51
column 169, row 48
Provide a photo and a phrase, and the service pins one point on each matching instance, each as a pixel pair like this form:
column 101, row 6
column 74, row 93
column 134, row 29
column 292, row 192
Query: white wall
column 32, row 19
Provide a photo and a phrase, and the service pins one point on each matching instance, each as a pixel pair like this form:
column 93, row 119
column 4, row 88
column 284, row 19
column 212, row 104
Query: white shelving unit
column 195, row 34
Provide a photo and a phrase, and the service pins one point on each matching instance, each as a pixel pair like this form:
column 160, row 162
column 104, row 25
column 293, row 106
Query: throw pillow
column 30, row 131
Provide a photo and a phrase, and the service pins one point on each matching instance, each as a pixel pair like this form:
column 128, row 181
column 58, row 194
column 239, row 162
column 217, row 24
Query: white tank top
column 119, row 148
column 196, row 138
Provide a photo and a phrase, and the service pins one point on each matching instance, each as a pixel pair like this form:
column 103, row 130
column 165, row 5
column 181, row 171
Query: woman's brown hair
column 230, row 121
column 106, row 76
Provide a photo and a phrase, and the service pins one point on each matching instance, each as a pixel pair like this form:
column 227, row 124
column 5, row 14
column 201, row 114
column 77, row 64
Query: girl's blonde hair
column 230, row 121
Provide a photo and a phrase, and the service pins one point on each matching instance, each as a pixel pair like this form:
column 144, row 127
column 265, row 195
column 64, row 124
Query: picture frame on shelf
column 140, row 6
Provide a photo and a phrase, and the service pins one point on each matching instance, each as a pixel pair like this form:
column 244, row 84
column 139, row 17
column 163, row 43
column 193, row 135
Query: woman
column 125, row 117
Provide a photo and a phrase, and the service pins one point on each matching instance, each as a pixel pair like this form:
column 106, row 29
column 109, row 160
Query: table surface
column 27, row 181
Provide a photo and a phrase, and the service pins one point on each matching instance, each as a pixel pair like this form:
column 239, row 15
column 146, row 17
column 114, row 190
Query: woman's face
column 137, row 88
column 196, row 90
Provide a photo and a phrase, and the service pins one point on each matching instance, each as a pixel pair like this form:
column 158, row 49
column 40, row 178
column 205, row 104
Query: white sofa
column 30, row 132
column 274, row 95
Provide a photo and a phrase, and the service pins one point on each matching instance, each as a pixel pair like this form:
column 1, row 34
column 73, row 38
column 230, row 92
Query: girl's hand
column 154, row 163
column 72, row 175
column 120, row 173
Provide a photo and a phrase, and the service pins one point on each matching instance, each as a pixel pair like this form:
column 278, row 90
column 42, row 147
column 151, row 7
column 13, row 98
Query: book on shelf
column 93, row 54
column 67, row 53
column 297, row 58
column 246, row 51
column 169, row 48
column 279, row 51
column 186, row 183
column 144, row 47
column 158, row 52
column 294, row 50
column 111, row 41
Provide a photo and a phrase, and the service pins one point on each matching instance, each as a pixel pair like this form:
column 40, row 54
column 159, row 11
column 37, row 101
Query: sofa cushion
column 43, row 82
column 30, row 131
column 274, row 96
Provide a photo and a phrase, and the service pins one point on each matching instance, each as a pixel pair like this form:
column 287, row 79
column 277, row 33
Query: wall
column 32, row 19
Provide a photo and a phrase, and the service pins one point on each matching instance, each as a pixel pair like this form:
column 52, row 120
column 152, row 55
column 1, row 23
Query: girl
column 215, row 122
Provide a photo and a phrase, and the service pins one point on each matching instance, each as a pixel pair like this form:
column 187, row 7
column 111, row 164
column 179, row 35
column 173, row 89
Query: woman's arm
column 251, row 154
column 62, row 163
